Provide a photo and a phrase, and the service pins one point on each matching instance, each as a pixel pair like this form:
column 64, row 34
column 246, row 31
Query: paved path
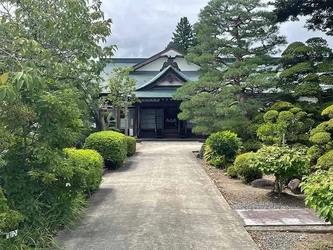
column 161, row 199
column 281, row 217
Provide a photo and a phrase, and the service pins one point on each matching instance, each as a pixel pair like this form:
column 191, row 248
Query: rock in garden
column 294, row 187
column 262, row 183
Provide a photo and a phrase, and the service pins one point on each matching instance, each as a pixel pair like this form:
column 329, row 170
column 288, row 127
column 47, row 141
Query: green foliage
column 9, row 219
column 303, row 65
column 321, row 137
column 319, row 195
column 232, row 172
column 87, row 168
column 234, row 39
column 131, row 145
column 328, row 112
column 184, row 37
column 224, row 143
column 271, row 116
column 111, row 145
column 47, row 78
column 325, row 161
column 245, row 170
column 282, row 162
column 319, row 14
column 212, row 158
column 282, row 106
column 252, row 145
column 284, row 121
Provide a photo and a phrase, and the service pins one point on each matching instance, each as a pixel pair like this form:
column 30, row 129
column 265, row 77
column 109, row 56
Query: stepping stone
column 281, row 217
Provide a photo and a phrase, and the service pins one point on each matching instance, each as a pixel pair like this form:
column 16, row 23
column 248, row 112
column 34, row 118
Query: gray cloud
column 143, row 28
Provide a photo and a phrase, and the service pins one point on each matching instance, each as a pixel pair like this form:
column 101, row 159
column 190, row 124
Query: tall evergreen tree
column 234, row 38
column 183, row 36
column 306, row 66
column 319, row 13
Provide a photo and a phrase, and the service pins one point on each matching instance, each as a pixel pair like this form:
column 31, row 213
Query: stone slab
column 280, row 217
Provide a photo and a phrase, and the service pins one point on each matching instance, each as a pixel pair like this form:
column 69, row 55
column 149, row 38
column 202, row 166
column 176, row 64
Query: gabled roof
column 163, row 53
column 151, row 83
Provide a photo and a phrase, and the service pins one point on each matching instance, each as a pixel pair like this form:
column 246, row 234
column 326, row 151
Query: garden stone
column 294, row 187
column 262, row 183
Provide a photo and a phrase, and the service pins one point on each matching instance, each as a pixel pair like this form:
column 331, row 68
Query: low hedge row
column 131, row 145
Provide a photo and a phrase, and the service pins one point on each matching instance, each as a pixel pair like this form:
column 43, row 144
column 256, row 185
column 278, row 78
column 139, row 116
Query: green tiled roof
column 156, row 77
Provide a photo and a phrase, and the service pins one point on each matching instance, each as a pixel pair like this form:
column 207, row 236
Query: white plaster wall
column 166, row 83
column 185, row 66
column 154, row 66
column 172, row 53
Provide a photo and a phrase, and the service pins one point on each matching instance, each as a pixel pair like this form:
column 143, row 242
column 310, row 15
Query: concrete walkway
column 161, row 199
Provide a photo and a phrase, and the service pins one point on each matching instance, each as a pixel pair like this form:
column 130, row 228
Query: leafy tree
column 319, row 13
column 282, row 162
column 47, row 52
column 234, row 38
column 306, row 66
column 285, row 124
column 184, row 37
column 120, row 95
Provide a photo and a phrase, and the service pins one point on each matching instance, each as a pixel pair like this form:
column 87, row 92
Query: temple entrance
column 161, row 122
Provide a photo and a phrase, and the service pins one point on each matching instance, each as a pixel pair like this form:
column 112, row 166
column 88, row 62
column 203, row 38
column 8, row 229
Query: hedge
column 111, row 145
column 131, row 145
column 87, row 168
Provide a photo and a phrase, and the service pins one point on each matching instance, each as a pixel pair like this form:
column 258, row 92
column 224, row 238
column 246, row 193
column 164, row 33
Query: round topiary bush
column 131, row 145
column 325, row 161
column 87, row 168
column 224, row 143
column 271, row 116
column 245, row 170
column 111, row 145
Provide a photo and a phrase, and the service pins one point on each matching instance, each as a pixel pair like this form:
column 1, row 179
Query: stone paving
column 281, row 217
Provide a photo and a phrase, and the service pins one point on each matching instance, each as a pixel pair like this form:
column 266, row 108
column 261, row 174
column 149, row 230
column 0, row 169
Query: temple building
column 157, row 79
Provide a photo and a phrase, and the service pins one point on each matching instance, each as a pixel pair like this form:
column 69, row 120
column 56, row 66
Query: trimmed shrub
column 87, row 167
column 321, row 138
column 232, row 172
column 224, row 143
column 111, row 145
column 271, row 116
column 245, row 170
column 326, row 161
column 280, row 106
column 131, row 145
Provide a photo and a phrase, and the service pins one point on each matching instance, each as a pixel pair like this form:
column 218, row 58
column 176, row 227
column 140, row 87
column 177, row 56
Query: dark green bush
column 252, row 145
column 111, row 145
column 87, row 167
column 131, row 145
column 245, row 170
column 224, row 143
column 232, row 172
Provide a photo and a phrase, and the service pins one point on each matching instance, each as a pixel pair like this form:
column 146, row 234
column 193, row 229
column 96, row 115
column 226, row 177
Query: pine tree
column 183, row 36
column 234, row 39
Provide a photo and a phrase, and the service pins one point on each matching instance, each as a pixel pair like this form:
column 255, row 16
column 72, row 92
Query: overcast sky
column 142, row 28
